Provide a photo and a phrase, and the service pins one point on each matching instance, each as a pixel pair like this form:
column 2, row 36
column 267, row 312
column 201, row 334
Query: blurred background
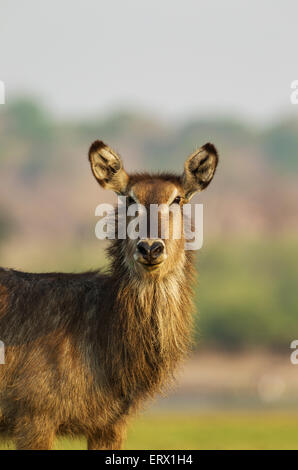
column 155, row 80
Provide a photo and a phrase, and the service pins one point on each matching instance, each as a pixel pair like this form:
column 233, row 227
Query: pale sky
column 175, row 58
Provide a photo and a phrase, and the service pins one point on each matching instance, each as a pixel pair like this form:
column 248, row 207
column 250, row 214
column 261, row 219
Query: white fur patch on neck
column 173, row 196
column 133, row 196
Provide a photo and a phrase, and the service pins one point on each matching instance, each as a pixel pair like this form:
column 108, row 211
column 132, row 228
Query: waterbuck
column 83, row 351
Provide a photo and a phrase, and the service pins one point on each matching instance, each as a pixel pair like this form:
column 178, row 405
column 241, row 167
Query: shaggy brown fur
column 83, row 351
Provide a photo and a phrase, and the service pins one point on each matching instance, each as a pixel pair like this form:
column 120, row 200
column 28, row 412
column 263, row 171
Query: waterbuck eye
column 177, row 200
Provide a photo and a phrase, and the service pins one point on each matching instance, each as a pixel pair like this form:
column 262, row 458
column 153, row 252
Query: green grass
column 213, row 431
column 221, row 431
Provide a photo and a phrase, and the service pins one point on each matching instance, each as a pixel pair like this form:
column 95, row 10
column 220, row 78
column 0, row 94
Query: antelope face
column 157, row 202
column 160, row 199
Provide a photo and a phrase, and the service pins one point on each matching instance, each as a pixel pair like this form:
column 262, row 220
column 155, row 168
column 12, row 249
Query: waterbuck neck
column 152, row 321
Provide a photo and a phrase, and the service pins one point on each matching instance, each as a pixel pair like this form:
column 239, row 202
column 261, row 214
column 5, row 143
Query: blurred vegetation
column 247, row 294
column 29, row 127
column 281, row 144
column 25, row 122
column 7, row 225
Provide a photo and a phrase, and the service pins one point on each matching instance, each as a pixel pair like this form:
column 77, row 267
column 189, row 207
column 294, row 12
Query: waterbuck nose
column 150, row 252
column 144, row 249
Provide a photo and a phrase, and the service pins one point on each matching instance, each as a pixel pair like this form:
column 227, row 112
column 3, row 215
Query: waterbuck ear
column 199, row 169
column 107, row 167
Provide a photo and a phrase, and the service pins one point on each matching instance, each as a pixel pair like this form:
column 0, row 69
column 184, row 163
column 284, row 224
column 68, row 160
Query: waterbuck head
column 155, row 203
